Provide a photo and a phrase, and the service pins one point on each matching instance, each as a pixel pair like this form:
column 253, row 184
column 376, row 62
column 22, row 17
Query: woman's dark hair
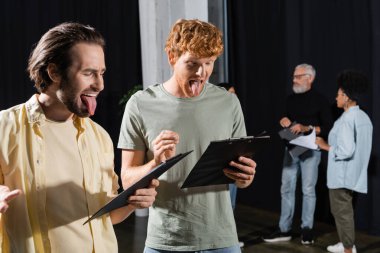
column 353, row 83
column 54, row 47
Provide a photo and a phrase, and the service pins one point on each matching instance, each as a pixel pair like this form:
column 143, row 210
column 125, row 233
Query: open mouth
column 90, row 101
column 195, row 86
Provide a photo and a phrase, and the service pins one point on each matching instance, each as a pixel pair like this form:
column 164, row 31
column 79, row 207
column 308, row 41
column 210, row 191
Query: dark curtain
column 267, row 40
column 22, row 23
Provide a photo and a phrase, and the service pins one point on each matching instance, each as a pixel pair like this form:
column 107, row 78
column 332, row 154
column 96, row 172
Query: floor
column 251, row 224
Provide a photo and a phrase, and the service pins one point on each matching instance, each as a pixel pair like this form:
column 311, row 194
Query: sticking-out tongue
column 194, row 85
column 90, row 103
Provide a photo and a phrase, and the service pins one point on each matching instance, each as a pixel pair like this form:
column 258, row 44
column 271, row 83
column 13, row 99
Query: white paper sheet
column 307, row 141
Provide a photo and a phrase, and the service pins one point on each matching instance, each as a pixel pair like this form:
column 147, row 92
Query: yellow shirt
column 65, row 179
column 24, row 227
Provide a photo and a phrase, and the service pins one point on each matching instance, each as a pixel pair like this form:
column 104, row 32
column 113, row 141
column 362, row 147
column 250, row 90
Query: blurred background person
column 306, row 109
column 349, row 146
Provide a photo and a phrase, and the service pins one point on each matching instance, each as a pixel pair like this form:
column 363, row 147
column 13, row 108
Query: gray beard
column 300, row 89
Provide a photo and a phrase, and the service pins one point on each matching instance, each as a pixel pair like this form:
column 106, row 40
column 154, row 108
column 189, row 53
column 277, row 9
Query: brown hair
column 200, row 38
column 54, row 47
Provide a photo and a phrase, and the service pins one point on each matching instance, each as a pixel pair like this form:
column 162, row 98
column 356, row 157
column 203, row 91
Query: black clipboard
column 288, row 135
column 122, row 199
column 209, row 169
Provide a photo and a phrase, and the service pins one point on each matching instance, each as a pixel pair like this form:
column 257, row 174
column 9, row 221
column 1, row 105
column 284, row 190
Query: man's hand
column 6, row 196
column 164, row 146
column 299, row 128
column 244, row 175
column 144, row 198
column 285, row 122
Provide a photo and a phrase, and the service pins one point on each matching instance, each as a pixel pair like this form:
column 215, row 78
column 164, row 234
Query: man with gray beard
column 306, row 109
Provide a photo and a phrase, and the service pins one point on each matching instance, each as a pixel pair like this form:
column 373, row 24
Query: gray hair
column 309, row 69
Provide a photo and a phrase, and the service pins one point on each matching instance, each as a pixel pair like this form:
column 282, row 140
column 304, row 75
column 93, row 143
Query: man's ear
column 171, row 58
column 311, row 80
column 52, row 71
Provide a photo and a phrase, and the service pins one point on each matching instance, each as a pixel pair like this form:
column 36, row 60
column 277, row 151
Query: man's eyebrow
column 93, row 70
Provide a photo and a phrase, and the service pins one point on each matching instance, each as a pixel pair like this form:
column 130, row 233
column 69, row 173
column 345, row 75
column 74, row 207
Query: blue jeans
column 233, row 193
column 232, row 249
column 306, row 165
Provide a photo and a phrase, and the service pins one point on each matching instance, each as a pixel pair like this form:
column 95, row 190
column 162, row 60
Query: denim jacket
column 351, row 142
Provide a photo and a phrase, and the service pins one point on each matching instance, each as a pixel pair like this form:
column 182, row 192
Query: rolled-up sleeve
column 345, row 143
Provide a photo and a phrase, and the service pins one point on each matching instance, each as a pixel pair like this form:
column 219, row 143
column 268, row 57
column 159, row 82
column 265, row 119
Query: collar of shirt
column 36, row 115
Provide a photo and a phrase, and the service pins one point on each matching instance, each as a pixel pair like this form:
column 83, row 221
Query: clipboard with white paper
column 122, row 199
column 209, row 169
column 306, row 141
column 301, row 143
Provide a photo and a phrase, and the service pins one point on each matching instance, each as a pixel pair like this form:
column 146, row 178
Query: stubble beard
column 68, row 98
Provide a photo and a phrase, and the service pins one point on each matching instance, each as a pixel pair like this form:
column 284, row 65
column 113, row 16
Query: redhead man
column 181, row 114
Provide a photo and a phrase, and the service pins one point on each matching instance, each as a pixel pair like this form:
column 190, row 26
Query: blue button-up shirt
column 351, row 142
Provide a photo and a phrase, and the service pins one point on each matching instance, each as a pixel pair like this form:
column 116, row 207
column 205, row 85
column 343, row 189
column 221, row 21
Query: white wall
column 156, row 19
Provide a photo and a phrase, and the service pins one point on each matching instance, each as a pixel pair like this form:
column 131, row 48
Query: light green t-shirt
column 195, row 218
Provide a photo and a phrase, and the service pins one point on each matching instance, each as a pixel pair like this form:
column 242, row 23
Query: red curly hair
column 197, row 37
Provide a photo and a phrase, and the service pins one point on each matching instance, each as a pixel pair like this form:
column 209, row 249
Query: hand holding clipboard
column 209, row 169
column 122, row 199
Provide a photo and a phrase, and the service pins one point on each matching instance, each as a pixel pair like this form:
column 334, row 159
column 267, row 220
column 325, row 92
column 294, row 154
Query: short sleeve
column 131, row 131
